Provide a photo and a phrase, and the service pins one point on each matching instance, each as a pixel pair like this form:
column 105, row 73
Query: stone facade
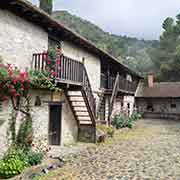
column 19, row 39
column 156, row 107
column 40, row 115
column 121, row 104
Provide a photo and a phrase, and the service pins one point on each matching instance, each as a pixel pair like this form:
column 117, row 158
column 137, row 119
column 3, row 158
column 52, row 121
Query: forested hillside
column 166, row 57
column 130, row 51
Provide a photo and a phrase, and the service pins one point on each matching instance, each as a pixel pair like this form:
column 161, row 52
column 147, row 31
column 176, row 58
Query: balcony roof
column 28, row 11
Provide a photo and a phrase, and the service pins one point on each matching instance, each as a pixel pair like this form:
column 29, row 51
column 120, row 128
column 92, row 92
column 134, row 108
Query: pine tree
column 46, row 5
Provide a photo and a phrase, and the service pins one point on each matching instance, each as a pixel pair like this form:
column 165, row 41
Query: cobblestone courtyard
column 151, row 151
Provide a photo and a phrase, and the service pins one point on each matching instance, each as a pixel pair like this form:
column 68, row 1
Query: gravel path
column 150, row 151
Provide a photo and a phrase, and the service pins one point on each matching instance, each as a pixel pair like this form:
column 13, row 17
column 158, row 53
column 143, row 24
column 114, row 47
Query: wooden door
column 55, row 124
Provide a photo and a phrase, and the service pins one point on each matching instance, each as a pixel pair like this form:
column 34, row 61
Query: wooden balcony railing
column 67, row 70
column 124, row 85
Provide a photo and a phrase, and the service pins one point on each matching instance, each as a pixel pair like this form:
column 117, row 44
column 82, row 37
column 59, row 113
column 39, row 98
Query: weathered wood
column 113, row 97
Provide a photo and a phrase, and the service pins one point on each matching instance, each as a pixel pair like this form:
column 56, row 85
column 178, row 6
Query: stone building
column 158, row 100
column 94, row 83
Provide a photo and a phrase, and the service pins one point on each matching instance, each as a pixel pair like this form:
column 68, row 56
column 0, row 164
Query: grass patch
column 64, row 173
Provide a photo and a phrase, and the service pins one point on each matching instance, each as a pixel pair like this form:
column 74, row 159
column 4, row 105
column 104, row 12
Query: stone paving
column 150, row 151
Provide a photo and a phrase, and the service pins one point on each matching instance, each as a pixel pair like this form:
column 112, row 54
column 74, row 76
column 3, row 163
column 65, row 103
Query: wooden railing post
column 113, row 96
column 108, row 78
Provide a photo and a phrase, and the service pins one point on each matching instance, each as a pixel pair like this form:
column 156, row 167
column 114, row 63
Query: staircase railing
column 88, row 94
column 113, row 97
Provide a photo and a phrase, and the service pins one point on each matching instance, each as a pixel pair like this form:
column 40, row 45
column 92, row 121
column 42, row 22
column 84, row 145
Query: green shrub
column 121, row 121
column 15, row 160
column 11, row 165
column 16, row 153
column 135, row 116
column 34, row 158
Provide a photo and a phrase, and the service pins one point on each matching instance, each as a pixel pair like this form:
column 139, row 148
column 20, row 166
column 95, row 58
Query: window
column 173, row 106
column 128, row 105
column 150, row 107
column 37, row 101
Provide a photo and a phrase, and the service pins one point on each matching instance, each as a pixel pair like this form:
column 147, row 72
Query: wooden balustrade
column 65, row 69
column 88, row 90
column 124, row 85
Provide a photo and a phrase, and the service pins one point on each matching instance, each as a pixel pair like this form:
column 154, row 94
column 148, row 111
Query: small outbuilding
column 158, row 99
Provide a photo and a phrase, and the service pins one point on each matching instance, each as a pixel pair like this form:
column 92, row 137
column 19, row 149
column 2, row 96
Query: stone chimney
column 150, row 80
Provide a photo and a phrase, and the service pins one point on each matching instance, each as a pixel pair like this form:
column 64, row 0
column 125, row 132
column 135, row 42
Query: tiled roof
column 162, row 90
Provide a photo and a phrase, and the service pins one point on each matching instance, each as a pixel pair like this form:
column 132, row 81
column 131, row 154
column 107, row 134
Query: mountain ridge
column 130, row 51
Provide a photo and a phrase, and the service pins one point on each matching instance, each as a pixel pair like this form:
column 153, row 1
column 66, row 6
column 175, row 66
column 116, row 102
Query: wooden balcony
column 125, row 86
column 67, row 70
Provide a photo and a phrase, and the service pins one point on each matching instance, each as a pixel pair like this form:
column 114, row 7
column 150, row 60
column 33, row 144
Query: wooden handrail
column 89, row 93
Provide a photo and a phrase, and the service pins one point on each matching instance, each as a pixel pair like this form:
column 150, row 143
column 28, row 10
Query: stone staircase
column 83, row 115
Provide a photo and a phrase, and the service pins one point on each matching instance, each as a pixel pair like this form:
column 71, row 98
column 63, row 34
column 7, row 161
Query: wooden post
column 109, row 112
column 83, row 61
column 108, row 78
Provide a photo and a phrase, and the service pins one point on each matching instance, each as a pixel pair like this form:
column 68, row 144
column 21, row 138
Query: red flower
column 44, row 56
column 49, row 62
column 58, row 62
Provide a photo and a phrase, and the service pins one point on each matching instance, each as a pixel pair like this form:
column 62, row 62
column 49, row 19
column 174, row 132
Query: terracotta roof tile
column 162, row 89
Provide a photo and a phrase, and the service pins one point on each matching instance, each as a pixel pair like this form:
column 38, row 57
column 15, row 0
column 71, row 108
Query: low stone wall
column 161, row 115
column 87, row 133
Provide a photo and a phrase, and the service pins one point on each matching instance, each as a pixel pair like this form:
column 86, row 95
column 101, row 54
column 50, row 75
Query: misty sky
column 135, row 18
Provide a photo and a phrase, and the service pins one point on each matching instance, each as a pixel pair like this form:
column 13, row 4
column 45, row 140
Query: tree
column 46, row 5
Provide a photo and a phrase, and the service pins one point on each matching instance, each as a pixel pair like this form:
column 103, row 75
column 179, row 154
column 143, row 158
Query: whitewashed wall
column 92, row 62
column 19, row 39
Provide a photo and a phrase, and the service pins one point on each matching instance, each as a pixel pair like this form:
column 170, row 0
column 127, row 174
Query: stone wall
column 128, row 104
column 40, row 115
column 19, row 39
column 159, row 104
column 121, row 103
column 69, row 124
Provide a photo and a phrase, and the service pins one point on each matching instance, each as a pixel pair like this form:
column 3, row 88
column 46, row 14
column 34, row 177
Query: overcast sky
column 135, row 18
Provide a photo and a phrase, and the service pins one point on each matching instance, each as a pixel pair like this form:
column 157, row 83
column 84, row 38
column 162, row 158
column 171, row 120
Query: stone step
column 79, row 104
column 81, row 113
column 81, row 109
column 74, row 93
column 85, row 122
column 76, row 99
column 84, row 118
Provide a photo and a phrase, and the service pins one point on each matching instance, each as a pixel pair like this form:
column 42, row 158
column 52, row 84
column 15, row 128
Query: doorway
column 55, row 124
